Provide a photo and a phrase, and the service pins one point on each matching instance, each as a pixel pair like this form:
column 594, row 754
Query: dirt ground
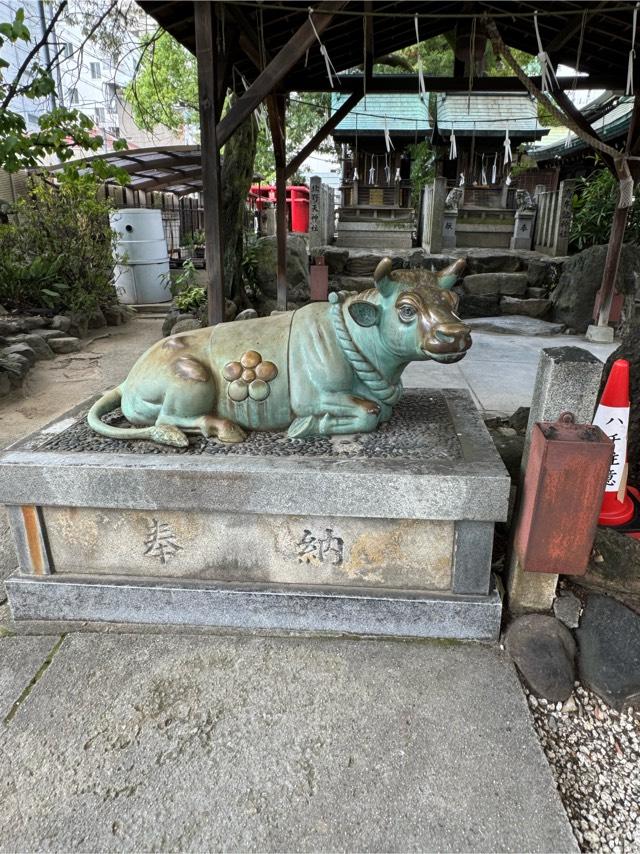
column 55, row 386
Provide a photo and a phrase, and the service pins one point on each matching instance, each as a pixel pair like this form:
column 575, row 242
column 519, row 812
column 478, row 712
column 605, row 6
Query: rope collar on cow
column 384, row 391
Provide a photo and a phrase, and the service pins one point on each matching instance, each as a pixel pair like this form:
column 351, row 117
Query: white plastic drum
column 142, row 260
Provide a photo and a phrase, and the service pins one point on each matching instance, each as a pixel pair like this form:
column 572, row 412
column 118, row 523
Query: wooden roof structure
column 264, row 49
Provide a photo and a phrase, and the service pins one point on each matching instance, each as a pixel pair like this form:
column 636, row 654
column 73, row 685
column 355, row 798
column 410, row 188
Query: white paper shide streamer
column 632, row 53
column 397, row 178
column 494, row 169
column 508, row 157
column 372, row 172
column 356, row 177
column 387, row 137
column 483, row 173
column 461, row 181
column 546, row 68
column 453, row 150
column 422, row 91
column 331, row 71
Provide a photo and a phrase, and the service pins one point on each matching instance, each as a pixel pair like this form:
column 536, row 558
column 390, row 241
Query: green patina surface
column 325, row 369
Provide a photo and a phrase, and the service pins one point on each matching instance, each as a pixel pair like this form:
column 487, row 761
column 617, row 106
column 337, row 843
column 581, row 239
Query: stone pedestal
column 388, row 533
column 523, row 230
column 449, row 222
column 599, row 334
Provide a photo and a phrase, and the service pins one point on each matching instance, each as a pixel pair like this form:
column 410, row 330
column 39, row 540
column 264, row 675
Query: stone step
column 505, row 284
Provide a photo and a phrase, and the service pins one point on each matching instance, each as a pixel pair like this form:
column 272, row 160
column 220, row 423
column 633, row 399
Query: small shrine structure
column 375, row 139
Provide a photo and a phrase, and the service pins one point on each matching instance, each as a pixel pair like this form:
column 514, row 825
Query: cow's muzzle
column 448, row 342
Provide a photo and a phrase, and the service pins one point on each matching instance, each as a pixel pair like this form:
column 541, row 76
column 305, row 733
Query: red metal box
column 561, row 496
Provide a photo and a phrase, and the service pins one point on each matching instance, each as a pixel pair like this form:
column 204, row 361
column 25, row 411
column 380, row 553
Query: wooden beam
column 408, row 84
column 266, row 82
column 208, row 87
column 323, row 133
column 569, row 32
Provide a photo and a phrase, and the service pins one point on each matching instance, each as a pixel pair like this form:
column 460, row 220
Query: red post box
column 561, row 496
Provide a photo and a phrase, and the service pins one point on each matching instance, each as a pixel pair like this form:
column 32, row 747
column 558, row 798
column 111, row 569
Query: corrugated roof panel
column 404, row 113
column 495, row 112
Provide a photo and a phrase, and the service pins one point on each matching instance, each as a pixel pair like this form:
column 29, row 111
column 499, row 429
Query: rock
column 609, row 651
column 3, row 310
column 5, row 383
column 23, row 350
column 19, row 365
column 297, row 267
column 187, row 324
column 30, row 323
column 472, row 305
column 79, row 325
column 46, row 334
column 97, row 319
column 112, row 315
column 7, row 328
column 543, row 650
column 64, row 345
column 39, row 346
column 436, row 262
column 169, row 322
column 525, row 307
column 490, row 261
column 61, row 322
column 520, row 419
column 510, row 445
column 536, row 293
column 574, row 296
column 126, row 313
column 615, row 564
column 567, row 608
column 516, row 325
column 544, row 273
column 230, row 310
column 335, row 258
column 247, row 314
column 484, row 284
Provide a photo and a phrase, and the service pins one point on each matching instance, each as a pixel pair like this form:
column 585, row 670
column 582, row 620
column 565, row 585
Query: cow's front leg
column 338, row 412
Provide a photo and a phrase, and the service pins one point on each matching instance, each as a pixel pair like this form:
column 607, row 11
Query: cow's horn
column 449, row 276
column 383, row 269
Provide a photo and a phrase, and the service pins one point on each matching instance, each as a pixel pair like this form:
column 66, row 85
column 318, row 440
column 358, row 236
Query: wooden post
column 276, row 108
column 618, row 226
column 208, row 86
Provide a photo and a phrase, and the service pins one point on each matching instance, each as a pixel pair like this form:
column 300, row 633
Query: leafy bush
column 191, row 299
column 57, row 251
column 593, row 207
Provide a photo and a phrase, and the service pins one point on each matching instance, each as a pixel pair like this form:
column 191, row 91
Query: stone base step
column 375, row 240
column 159, row 308
column 86, row 599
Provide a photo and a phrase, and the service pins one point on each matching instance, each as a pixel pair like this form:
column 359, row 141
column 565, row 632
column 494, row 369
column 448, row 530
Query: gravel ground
column 594, row 753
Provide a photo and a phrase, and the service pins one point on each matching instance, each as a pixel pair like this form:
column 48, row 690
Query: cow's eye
column 407, row 313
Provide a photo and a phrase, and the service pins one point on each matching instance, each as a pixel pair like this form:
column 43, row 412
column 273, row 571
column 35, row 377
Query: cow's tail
column 164, row 434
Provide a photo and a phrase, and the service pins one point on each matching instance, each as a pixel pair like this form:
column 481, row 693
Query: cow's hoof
column 225, row 430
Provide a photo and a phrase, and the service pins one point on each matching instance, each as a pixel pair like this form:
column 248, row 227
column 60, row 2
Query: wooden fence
column 553, row 221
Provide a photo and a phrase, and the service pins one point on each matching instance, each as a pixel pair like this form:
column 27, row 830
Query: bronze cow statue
column 326, row 368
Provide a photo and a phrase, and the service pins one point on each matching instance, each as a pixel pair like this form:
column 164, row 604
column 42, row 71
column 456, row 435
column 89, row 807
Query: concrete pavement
column 498, row 370
column 200, row 743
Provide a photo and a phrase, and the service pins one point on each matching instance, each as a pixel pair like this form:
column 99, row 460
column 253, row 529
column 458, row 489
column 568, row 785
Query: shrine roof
column 488, row 115
column 404, row 115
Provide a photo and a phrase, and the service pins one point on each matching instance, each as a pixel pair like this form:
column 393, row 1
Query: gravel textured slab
column 594, row 753
column 420, row 429
column 150, row 743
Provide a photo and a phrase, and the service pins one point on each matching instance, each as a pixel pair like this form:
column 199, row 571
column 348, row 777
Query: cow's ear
column 381, row 277
column 449, row 276
column 364, row 313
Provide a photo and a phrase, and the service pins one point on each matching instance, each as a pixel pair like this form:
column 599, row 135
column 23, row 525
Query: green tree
column 60, row 129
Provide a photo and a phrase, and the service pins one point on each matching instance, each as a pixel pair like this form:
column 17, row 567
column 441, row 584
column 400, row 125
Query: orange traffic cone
column 612, row 416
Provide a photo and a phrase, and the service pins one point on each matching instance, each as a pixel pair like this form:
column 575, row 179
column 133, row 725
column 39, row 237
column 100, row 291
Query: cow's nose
column 447, row 333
